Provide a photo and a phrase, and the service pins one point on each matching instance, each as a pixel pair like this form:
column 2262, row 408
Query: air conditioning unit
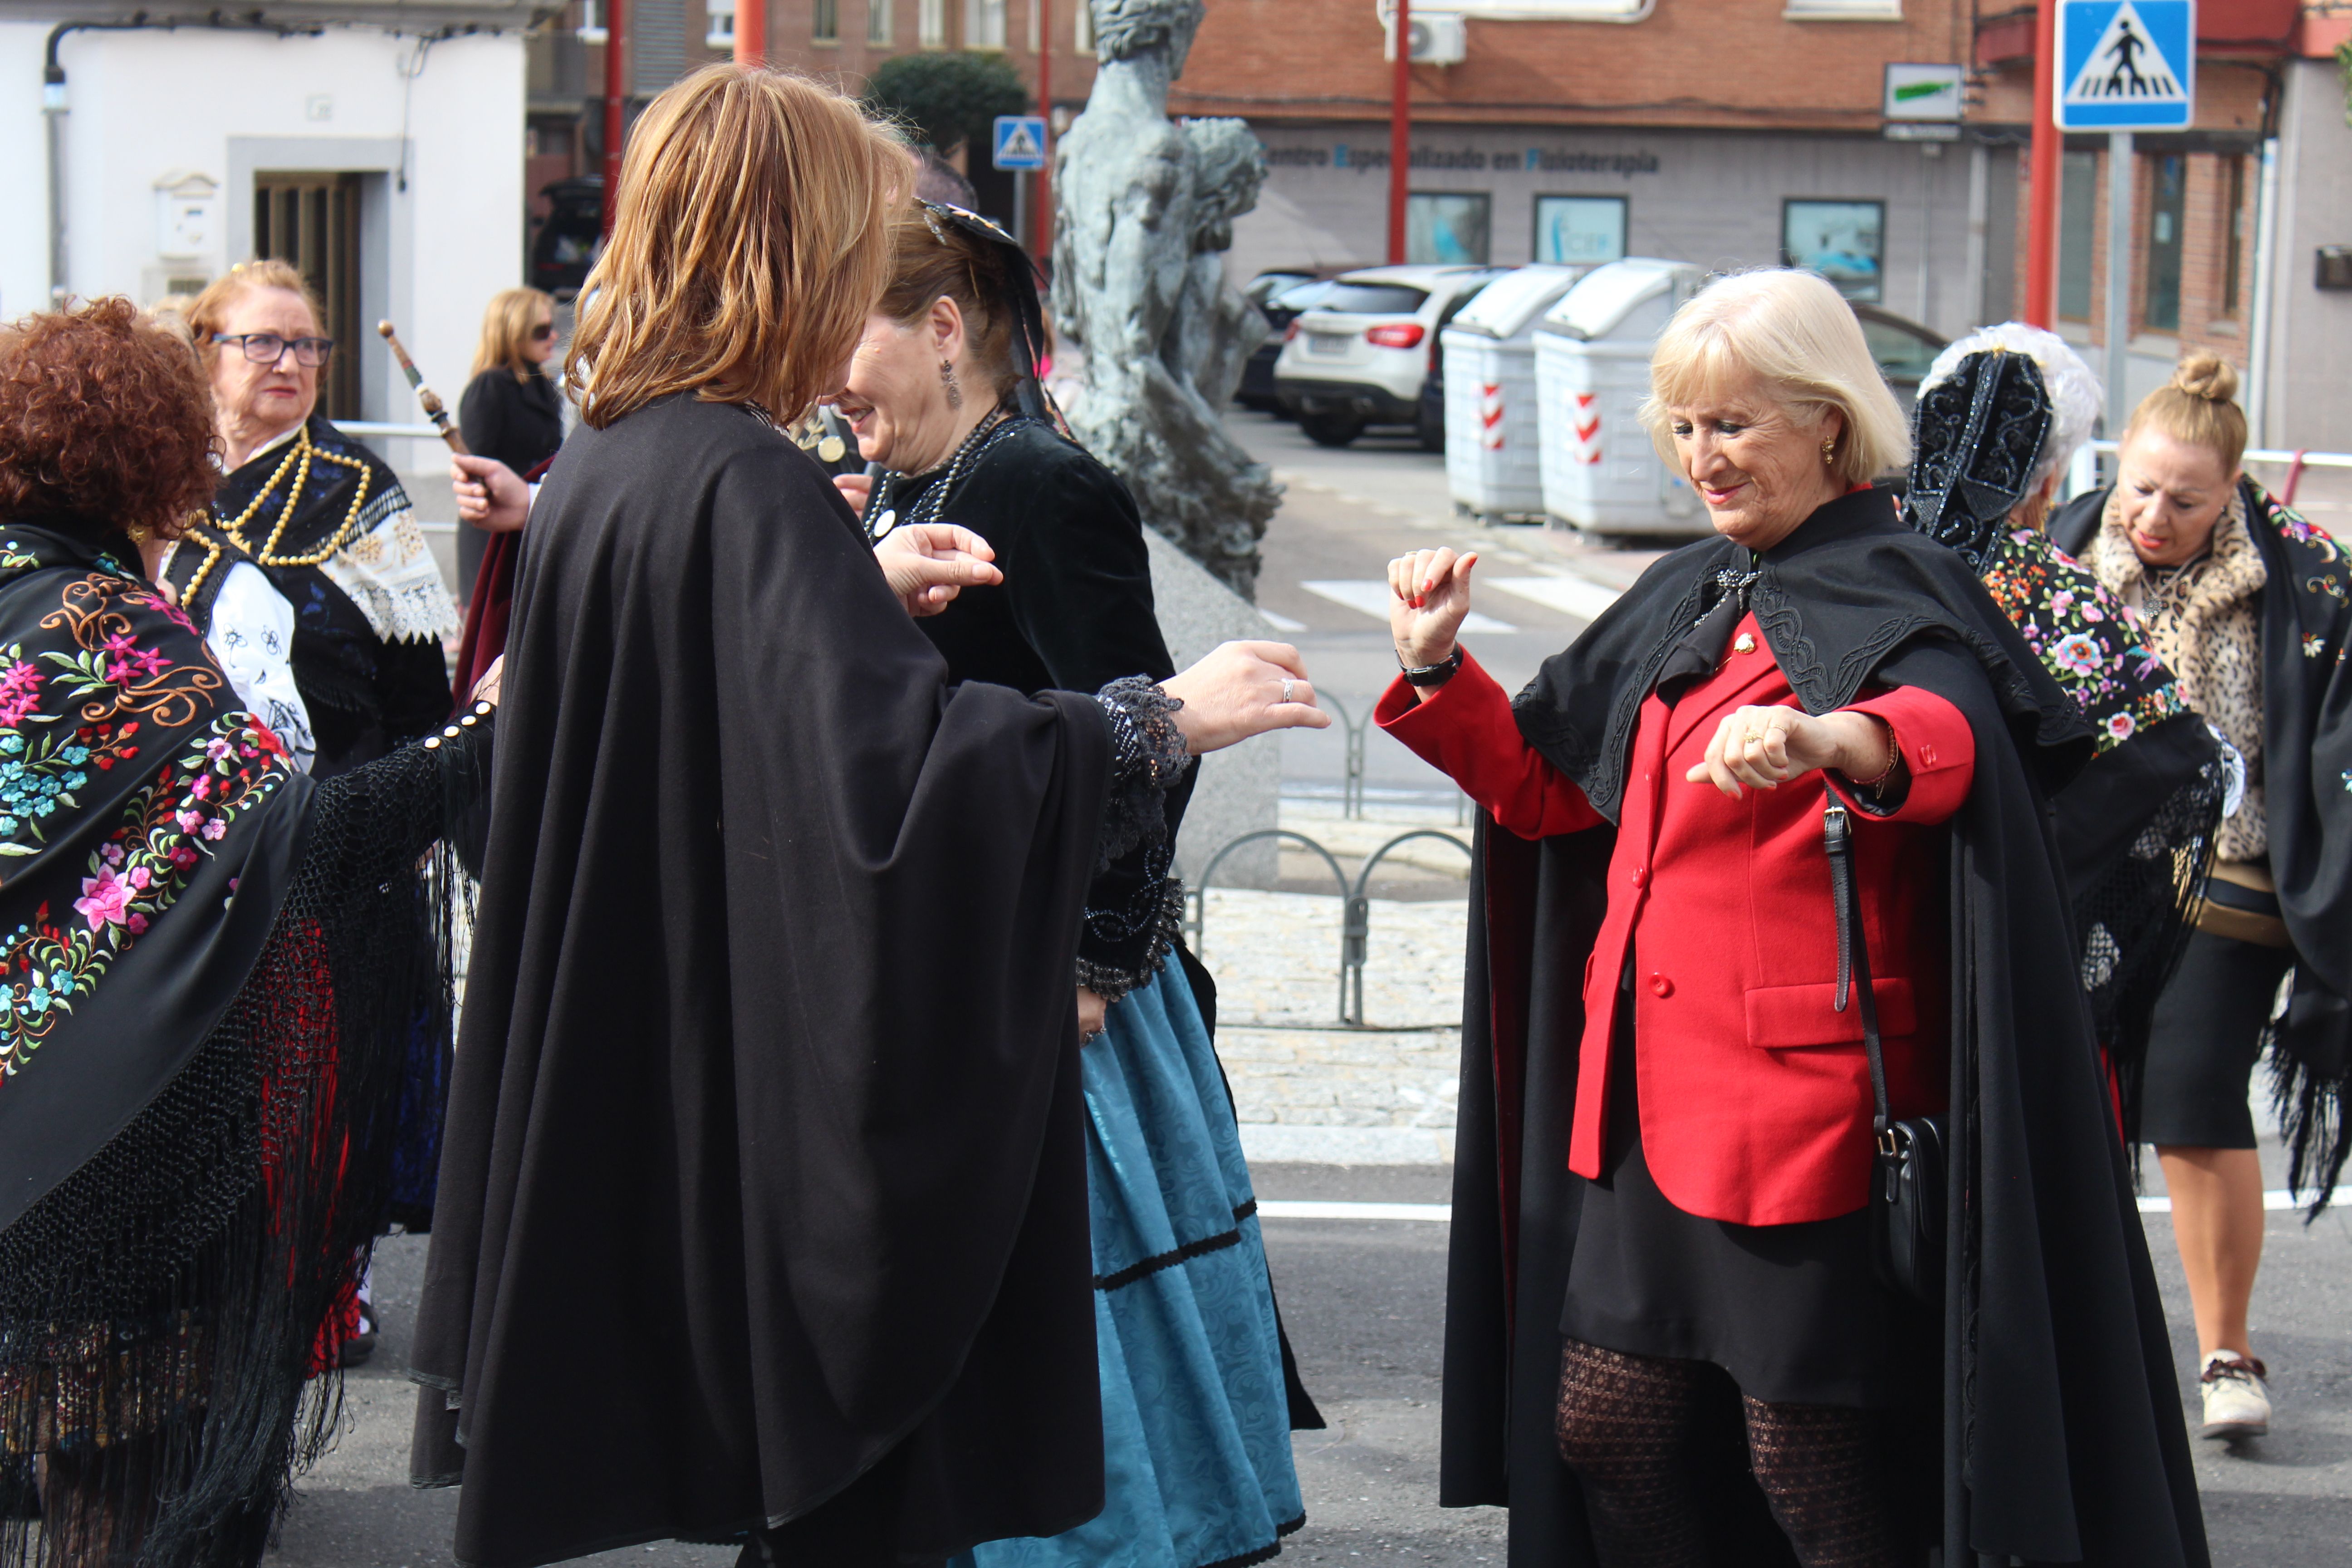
column 1438, row 38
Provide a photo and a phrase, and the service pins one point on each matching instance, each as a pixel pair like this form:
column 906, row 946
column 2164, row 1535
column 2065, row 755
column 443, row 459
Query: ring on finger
column 1288, row 686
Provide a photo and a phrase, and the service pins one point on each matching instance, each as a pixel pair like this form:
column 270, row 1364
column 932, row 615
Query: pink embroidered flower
column 214, row 828
column 20, row 692
column 139, row 878
column 2093, row 613
column 181, row 856
column 216, row 747
column 202, row 788
column 103, row 898
column 2077, row 654
column 136, row 925
column 2060, row 601
column 171, row 611
column 188, row 821
column 111, row 854
column 2120, row 726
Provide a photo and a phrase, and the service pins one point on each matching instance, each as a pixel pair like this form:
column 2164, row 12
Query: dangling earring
column 955, row 388
column 1828, row 453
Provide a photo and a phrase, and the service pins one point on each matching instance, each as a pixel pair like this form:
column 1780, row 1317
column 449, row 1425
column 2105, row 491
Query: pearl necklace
column 928, row 505
column 298, row 458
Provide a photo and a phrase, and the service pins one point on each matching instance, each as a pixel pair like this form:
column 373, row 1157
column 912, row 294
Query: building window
column 719, row 30
column 2078, row 224
column 1082, row 27
column 2234, row 243
column 2168, row 187
column 1579, row 230
column 824, row 25
column 1447, row 229
column 592, row 21
column 983, row 24
column 1843, row 241
column 931, row 24
column 1843, row 11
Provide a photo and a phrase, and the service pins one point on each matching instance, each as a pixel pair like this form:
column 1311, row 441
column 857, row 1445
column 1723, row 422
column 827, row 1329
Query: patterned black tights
column 1623, row 1425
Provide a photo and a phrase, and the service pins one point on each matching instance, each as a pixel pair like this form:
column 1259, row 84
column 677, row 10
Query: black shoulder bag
column 1907, row 1170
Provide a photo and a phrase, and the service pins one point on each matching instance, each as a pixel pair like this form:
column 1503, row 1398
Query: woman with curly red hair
column 208, row 970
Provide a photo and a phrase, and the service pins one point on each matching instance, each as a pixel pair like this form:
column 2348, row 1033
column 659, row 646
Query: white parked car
column 1368, row 353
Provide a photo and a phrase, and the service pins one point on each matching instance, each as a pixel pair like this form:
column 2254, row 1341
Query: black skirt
column 1793, row 1312
column 2208, row 1035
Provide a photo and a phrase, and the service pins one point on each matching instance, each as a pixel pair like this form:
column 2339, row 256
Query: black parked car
column 569, row 242
column 1279, row 296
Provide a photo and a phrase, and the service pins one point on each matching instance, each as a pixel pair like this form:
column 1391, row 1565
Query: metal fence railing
column 2086, row 475
column 1355, row 917
column 1358, row 731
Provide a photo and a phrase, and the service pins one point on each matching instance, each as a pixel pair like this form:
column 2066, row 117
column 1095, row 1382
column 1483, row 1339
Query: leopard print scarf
column 2204, row 621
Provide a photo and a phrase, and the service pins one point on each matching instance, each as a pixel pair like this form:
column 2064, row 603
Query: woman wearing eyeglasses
column 324, row 517
column 511, row 411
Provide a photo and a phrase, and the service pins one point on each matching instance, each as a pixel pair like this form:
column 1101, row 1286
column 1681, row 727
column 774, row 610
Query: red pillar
column 1042, row 246
column 750, row 32
column 616, row 103
column 2043, row 177
column 1401, row 131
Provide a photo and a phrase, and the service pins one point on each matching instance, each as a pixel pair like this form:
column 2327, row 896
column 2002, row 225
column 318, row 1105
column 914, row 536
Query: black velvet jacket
column 1074, row 612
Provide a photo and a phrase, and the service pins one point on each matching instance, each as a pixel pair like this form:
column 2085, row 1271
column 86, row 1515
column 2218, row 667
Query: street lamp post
column 1400, row 131
column 750, row 32
column 1042, row 245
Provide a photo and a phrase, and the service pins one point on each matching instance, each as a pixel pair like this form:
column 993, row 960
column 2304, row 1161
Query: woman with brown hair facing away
column 512, row 411
column 207, row 984
column 763, row 1213
column 2250, row 606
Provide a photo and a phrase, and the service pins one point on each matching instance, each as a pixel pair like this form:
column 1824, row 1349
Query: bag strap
column 1854, row 949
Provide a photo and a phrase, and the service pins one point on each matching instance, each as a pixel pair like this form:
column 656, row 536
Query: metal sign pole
column 2121, row 170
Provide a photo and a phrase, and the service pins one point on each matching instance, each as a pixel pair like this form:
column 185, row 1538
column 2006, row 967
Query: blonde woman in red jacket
column 1659, row 810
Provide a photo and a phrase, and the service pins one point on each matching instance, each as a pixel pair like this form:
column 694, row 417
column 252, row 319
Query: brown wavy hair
column 507, row 322
column 750, row 240
column 210, row 311
column 106, row 422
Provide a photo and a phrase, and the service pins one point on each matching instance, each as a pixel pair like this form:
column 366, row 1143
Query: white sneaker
column 2237, row 1400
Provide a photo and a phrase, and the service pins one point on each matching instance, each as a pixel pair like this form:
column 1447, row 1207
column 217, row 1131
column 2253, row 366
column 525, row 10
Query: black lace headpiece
column 1976, row 438
column 1021, row 289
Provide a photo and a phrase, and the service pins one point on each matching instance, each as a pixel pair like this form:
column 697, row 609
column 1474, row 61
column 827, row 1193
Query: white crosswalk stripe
column 1370, row 595
column 1576, row 596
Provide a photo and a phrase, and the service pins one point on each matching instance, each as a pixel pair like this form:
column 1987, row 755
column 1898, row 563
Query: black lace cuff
column 1141, row 934
column 1146, row 756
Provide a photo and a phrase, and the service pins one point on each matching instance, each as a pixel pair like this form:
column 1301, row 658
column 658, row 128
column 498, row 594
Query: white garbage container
column 1491, row 461
column 1592, row 369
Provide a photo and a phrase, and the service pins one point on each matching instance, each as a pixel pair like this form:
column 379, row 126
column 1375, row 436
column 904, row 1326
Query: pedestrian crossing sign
column 1020, row 141
column 2126, row 65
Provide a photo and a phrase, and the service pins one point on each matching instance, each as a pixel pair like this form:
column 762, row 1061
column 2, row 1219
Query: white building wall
column 448, row 128
column 2310, row 403
column 1710, row 197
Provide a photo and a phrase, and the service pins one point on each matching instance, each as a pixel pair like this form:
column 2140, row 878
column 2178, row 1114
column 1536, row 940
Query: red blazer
column 1755, row 1091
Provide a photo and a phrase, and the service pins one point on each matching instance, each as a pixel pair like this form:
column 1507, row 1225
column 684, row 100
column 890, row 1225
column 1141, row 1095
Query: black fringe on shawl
column 2311, row 1077
column 165, row 1314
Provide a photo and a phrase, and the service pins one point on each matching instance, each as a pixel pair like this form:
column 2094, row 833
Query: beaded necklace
column 884, row 514
column 298, row 458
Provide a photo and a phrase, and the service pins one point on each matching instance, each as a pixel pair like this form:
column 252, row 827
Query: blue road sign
column 2126, row 65
column 1020, row 141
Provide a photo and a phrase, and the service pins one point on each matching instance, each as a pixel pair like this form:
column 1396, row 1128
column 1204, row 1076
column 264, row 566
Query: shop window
column 2235, row 218
column 931, row 24
column 2168, row 187
column 825, row 21
column 1447, row 229
column 719, row 24
column 2078, row 225
column 983, row 24
column 1843, row 241
column 1843, row 11
column 1579, row 230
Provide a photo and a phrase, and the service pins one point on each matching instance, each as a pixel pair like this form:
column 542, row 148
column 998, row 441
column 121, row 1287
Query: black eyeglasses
column 541, row 333
column 269, row 348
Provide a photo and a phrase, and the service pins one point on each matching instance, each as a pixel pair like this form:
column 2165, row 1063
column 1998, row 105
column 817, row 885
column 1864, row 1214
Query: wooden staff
column 424, row 395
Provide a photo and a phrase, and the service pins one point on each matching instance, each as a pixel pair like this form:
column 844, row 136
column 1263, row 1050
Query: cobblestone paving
column 1304, row 1088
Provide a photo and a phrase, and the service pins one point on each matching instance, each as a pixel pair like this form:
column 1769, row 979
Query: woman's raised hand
column 490, row 496
column 926, row 564
column 1764, row 748
column 1429, row 593
column 1241, row 689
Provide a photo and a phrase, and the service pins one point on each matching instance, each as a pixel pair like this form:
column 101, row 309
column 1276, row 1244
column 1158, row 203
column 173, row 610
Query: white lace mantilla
column 389, row 573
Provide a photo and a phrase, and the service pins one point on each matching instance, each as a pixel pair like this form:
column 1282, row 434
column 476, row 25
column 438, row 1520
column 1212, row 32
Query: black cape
column 765, row 1197
column 2061, row 1430
column 2306, row 637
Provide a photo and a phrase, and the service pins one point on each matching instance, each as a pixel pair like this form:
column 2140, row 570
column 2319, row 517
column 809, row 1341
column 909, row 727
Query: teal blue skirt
column 1196, row 1422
